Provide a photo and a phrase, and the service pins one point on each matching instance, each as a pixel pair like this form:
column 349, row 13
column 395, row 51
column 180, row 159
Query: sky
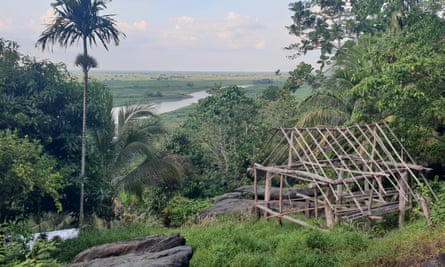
column 170, row 35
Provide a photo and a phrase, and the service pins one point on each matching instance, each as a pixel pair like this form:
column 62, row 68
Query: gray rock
column 233, row 195
column 147, row 251
column 228, row 206
column 438, row 262
column 174, row 257
column 275, row 191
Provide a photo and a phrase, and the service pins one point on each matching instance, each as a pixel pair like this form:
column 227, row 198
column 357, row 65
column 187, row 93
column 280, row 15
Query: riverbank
column 140, row 87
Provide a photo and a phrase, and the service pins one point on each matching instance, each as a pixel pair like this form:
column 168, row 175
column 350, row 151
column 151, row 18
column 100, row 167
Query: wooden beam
column 299, row 222
column 297, row 172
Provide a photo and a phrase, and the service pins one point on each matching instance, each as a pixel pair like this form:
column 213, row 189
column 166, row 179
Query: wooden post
column 426, row 210
column 255, row 185
column 368, row 222
column 380, row 185
column 339, row 200
column 255, row 192
column 267, row 188
column 327, row 209
column 402, row 198
column 307, row 207
column 281, row 193
column 316, row 202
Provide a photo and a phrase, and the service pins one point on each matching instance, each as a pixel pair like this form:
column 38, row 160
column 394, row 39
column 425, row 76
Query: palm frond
column 80, row 20
column 152, row 172
column 324, row 117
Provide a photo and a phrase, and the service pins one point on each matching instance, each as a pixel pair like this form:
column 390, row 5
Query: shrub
column 180, row 209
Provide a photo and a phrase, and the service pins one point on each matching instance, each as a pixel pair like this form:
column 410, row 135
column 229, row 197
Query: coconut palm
column 80, row 21
column 136, row 161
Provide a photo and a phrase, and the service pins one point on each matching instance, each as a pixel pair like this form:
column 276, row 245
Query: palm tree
column 135, row 160
column 130, row 158
column 79, row 21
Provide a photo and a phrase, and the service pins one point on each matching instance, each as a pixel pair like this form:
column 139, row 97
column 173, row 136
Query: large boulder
column 275, row 191
column 156, row 250
column 241, row 200
column 227, row 206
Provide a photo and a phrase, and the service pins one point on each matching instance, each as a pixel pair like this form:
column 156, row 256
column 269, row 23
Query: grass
column 132, row 88
column 247, row 241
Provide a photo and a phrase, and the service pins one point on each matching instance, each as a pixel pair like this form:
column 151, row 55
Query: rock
column 275, row 191
column 438, row 262
column 233, row 195
column 228, row 206
column 241, row 200
column 147, row 251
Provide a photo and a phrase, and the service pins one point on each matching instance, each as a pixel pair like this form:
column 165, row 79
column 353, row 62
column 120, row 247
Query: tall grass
column 247, row 241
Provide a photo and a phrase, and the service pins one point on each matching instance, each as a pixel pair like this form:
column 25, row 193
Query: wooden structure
column 354, row 172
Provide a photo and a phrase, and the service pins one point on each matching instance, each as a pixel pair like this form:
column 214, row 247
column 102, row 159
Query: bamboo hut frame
column 360, row 171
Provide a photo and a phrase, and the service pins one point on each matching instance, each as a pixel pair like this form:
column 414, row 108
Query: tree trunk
column 84, row 136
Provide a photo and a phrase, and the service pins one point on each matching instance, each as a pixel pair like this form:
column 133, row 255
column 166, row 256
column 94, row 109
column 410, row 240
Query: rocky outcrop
column 241, row 200
column 156, row 251
column 227, row 206
column 274, row 191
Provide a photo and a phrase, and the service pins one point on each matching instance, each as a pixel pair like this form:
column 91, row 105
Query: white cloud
column 260, row 45
column 134, row 26
column 183, row 22
column 48, row 17
column 6, row 24
column 233, row 31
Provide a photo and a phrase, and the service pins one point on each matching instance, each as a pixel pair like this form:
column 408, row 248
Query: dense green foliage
column 42, row 101
column 27, row 175
column 393, row 71
column 220, row 137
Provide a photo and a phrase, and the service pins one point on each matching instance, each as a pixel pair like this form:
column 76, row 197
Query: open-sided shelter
column 353, row 172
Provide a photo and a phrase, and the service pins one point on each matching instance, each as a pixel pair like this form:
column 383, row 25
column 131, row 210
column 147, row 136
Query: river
column 170, row 105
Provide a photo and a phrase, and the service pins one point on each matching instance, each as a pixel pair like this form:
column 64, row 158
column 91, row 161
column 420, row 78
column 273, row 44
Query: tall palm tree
column 80, row 21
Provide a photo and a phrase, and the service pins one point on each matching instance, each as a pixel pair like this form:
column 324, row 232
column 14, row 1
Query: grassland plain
column 147, row 87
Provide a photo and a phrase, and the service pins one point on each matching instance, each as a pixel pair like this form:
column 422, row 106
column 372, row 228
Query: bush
column 15, row 248
column 180, row 209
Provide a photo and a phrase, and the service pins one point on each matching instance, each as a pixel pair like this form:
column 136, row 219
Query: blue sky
column 171, row 35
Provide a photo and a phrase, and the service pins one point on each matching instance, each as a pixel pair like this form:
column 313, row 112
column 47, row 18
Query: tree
column 223, row 133
column 135, row 161
column 80, row 20
column 43, row 101
column 130, row 159
column 26, row 173
column 317, row 25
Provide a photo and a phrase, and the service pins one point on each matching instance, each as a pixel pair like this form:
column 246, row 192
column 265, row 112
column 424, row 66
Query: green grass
column 174, row 118
column 131, row 88
column 246, row 241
